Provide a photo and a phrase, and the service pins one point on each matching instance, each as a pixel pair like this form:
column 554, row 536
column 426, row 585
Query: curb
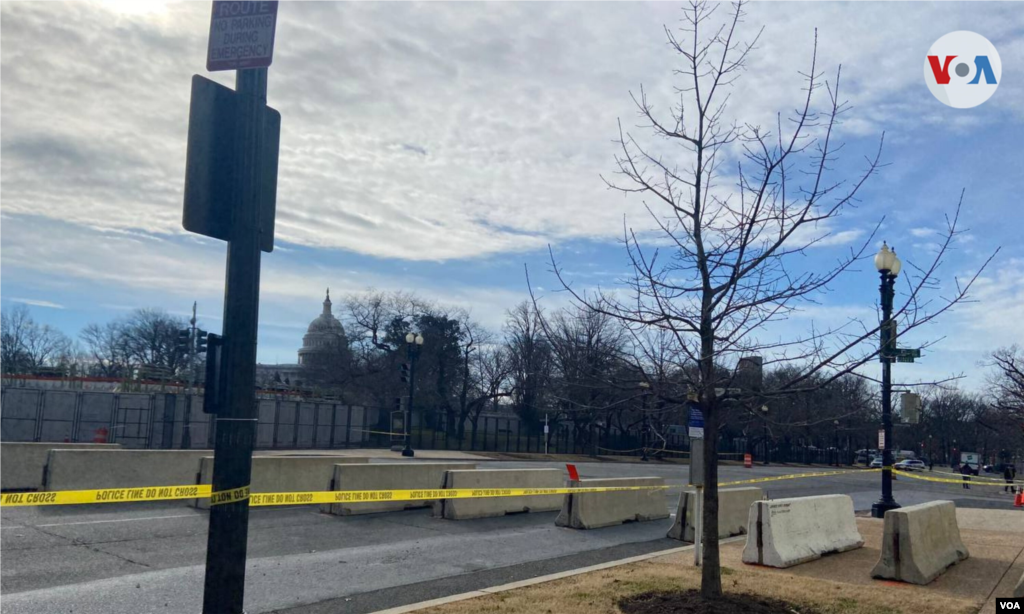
column 422, row 605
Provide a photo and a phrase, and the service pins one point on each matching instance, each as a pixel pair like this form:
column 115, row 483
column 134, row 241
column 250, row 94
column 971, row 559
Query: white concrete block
column 787, row 532
column 919, row 543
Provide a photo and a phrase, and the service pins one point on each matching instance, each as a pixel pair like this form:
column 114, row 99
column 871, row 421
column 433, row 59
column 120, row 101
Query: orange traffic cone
column 1018, row 500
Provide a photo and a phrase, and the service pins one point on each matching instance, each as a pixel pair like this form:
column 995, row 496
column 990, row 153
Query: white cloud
column 37, row 303
column 416, row 131
column 427, row 132
column 140, row 272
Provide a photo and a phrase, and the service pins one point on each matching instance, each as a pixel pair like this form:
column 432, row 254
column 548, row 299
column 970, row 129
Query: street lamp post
column 413, row 343
column 643, row 433
column 931, row 452
column 888, row 266
column 835, row 423
column 764, row 422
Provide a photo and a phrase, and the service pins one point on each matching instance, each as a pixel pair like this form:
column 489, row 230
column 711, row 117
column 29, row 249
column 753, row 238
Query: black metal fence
column 161, row 420
column 158, row 420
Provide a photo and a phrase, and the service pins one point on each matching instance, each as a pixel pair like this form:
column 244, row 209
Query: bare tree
column 150, row 337
column 726, row 262
column 590, row 381
column 491, row 370
column 26, row 346
column 529, row 355
column 144, row 340
column 1007, row 382
column 107, row 348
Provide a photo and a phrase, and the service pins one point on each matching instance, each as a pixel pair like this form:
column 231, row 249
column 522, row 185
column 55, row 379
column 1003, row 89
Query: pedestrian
column 1008, row 476
column 931, row 465
column 965, row 471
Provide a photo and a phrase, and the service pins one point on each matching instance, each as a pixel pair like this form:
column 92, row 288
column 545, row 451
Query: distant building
column 324, row 340
column 323, row 346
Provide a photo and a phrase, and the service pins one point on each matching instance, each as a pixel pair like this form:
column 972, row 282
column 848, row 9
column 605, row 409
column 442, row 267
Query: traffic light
column 182, row 342
column 405, row 373
column 213, row 396
column 200, row 341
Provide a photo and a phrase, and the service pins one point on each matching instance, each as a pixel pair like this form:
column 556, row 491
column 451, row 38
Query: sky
column 442, row 148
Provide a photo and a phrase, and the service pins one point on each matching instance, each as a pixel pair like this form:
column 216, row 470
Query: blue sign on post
column 695, row 423
column 696, row 417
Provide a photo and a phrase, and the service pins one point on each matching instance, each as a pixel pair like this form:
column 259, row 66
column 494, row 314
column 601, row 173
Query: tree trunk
column 711, row 572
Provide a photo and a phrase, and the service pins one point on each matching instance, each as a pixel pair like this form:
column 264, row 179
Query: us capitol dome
column 324, row 338
column 324, row 347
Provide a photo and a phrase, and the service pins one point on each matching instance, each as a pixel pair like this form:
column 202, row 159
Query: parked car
column 997, row 468
column 877, row 463
column 910, row 464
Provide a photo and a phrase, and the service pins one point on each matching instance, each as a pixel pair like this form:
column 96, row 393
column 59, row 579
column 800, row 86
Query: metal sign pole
column 698, row 525
column 236, row 424
column 545, row 433
column 190, row 390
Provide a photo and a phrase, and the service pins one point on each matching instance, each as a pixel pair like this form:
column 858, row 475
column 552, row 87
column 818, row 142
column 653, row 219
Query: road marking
column 18, row 527
column 67, row 524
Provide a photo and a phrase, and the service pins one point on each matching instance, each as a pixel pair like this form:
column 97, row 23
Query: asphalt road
column 148, row 557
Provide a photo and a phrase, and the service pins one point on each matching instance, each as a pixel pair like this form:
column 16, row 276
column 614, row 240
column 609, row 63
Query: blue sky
column 439, row 147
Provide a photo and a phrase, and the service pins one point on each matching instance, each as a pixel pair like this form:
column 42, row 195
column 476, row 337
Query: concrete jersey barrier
column 462, row 509
column 22, row 465
column 733, row 510
column 283, row 473
column 606, row 509
column 388, row 476
column 919, row 543
column 94, row 469
column 787, row 532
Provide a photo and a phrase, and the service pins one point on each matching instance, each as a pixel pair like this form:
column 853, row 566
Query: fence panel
column 305, row 425
column 322, row 434
column 97, row 413
column 134, row 413
column 284, row 436
column 20, row 409
column 58, row 414
column 265, row 413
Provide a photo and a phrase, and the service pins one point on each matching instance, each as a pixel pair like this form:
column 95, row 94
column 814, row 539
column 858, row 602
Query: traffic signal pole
column 190, row 390
column 236, row 421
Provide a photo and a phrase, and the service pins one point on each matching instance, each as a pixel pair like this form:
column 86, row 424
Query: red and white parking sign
column 241, row 35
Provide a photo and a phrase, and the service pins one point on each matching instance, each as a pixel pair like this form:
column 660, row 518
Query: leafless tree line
column 735, row 209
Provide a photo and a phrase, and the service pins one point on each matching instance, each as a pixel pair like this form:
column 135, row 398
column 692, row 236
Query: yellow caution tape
column 1001, row 481
column 202, row 491
column 105, row 495
column 234, row 495
column 794, row 476
column 370, row 496
column 126, row 495
column 970, row 479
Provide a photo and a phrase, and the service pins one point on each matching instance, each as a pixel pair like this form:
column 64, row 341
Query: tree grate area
column 691, row 602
